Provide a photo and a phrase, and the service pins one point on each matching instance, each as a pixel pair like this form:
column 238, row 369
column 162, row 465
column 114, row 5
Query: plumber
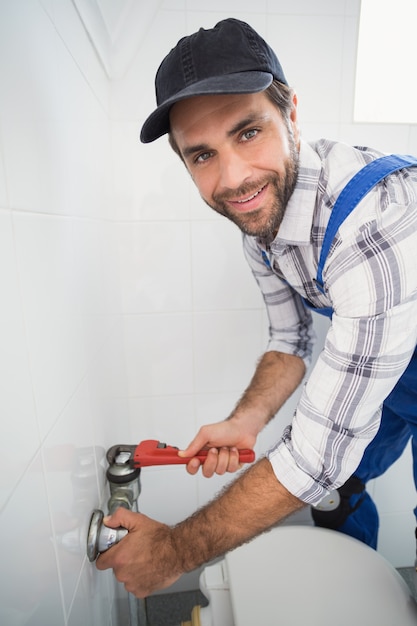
column 231, row 117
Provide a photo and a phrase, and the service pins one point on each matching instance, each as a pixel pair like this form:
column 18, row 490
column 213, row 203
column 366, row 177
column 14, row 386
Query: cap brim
column 157, row 124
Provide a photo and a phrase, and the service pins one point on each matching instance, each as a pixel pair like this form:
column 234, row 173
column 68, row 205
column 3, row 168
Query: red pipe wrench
column 153, row 452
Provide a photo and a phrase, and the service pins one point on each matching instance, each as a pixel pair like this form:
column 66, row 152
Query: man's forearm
column 276, row 377
column 255, row 502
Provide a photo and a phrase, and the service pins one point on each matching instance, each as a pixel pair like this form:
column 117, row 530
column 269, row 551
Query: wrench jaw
column 121, row 453
column 152, row 452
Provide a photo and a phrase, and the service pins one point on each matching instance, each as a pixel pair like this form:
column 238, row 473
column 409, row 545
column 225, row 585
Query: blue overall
column 399, row 412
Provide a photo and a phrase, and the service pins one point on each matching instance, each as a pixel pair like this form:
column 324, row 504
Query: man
column 232, row 118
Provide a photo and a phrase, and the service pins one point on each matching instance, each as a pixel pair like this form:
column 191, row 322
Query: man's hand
column 223, row 440
column 145, row 559
column 152, row 555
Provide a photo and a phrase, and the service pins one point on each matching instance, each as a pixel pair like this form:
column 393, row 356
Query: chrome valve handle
column 100, row 537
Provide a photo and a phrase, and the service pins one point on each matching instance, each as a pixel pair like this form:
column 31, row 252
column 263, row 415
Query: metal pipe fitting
column 124, row 484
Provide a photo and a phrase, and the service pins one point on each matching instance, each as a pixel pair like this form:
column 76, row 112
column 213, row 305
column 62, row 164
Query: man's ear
column 294, row 120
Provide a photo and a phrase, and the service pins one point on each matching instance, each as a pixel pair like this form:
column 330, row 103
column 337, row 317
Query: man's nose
column 234, row 170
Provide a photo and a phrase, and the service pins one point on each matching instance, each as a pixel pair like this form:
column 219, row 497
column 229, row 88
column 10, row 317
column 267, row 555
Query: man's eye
column 204, row 156
column 249, row 134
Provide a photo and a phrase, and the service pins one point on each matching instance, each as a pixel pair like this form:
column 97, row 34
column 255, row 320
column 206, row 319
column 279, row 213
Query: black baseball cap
column 229, row 58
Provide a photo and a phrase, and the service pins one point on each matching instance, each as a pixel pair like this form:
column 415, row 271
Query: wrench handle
column 245, row 456
column 153, row 452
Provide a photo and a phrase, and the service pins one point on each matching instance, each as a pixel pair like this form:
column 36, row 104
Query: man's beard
column 263, row 222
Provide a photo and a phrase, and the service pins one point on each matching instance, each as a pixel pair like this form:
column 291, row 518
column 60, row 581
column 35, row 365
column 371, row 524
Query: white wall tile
column 133, row 96
column 71, row 30
column 107, row 382
column 159, row 354
column 412, row 140
column 386, row 138
column 348, row 71
column 394, row 494
column 353, row 7
column 231, row 7
column 221, row 276
column 396, row 539
column 167, row 188
column 19, row 424
column 52, row 311
column 4, row 202
column 30, row 590
column 48, row 6
column 27, row 37
column 311, row 131
column 60, row 280
column 155, row 267
column 314, row 70
column 251, row 13
column 110, row 259
column 395, row 490
column 170, row 419
column 45, row 252
column 93, row 600
column 149, row 179
column 214, row 407
column 227, row 345
column 72, row 485
column 173, row 5
column 198, row 208
column 305, row 7
column 55, row 141
column 97, row 294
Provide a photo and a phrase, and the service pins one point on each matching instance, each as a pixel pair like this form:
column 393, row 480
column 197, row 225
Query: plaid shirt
column 370, row 281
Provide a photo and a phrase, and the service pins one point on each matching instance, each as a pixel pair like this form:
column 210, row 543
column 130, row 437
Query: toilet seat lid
column 297, row 575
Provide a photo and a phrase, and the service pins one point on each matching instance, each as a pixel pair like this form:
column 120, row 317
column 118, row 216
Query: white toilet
column 304, row 576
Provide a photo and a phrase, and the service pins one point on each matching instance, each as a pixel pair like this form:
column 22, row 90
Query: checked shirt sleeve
column 290, row 323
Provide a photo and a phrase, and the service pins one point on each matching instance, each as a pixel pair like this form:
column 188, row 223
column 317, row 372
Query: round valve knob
column 100, row 537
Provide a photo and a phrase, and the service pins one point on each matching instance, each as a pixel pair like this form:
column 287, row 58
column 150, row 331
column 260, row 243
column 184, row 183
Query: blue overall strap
column 352, row 194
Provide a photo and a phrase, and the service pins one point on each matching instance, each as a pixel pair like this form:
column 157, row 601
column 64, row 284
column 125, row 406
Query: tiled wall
column 127, row 309
column 63, row 377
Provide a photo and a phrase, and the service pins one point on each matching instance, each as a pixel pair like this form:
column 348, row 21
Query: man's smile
column 250, row 202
